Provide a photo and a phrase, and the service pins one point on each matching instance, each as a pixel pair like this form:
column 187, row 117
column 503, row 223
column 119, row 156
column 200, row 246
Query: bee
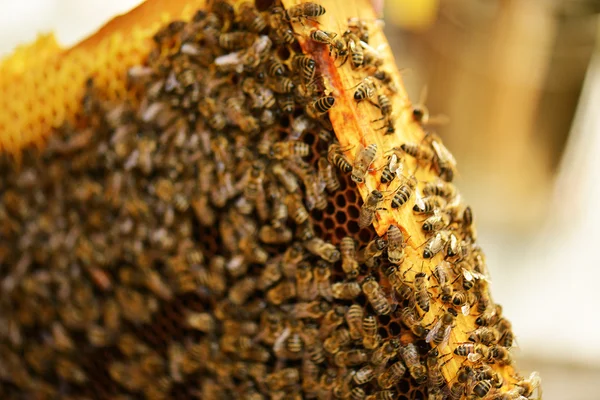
column 271, row 235
column 286, row 178
column 289, row 148
column 282, row 85
column 236, row 40
column 251, row 18
column 410, row 319
column 404, row 192
column 365, row 90
column 395, row 245
column 367, row 211
column 504, row 330
column 306, row 10
column 346, row 290
column 442, row 189
column 498, row 353
column 528, row 386
column 421, row 292
column 274, row 67
column 286, row 103
column 348, row 253
column 354, row 317
column 489, row 316
column 203, row 322
column 283, row 378
column 336, row 45
column 429, row 204
column 322, row 274
column 351, row 358
column 242, row 290
column 326, row 251
column 481, row 389
column 323, row 104
column 392, row 375
column 458, row 388
column 386, row 78
column 419, row 152
column 305, row 289
column 392, row 169
column 338, row 339
column 305, row 66
column 453, row 247
column 255, row 181
column 440, row 333
column 436, row 222
column 281, row 32
column 376, row 296
column 331, row 320
column 435, row 244
column 473, row 352
column 357, row 56
column 396, row 279
column 410, row 356
column 296, row 208
column 336, row 157
column 444, row 161
column 281, row 293
column 441, row 274
column 357, row 393
column 328, row 175
column 314, row 349
column 371, row 251
column 435, row 378
column 382, row 395
column 385, row 352
column 364, row 375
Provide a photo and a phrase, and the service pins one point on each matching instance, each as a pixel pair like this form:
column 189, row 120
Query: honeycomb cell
column 340, row 200
column 353, row 212
column 340, row 217
column 353, row 227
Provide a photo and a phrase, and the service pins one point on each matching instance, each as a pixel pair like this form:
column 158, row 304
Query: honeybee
column 498, row 353
column 354, row 318
column 395, row 245
column 289, row 148
column 440, row 333
column 412, row 322
column 322, row 274
column 328, row 175
column 371, row 251
column 365, row 90
column 357, row 56
column 410, row 356
column 481, row 389
column 435, row 377
column 435, row 244
column 444, row 161
column 385, row 352
column 331, row 320
column 362, row 161
column 236, row 40
column 306, row 10
column 255, row 180
column 421, row 292
column 419, row 152
column 376, row 296
column 392, row 375
column 490, row 315
column 348, row 252
column 528, row 386
column 368, row 209
column 286, row 178
column 322, row 105
column 441, row 188
column 396, row 279
column 314, row 349
column 351, row 358
column 505, row 332
column 286, row 103
column 203, row 322
column 364, row 375
column 271, row 235
column 296, row 208
column 336, row 45
column 282, row 85
column 242, row 290
column 338, row 339
column 436, row 222
column 392, row 169
column 251, row 18
column 474, row 352
column 382, row 395
column 404, row 192
column 281, row 32
column 305, row 66
column 428, row 205
column 270, row 275
column 281, row 293
column 346, row 290
column 336, row 157
column 305, row 289
column 326, row 251
column 283, row 378
column 386, row 78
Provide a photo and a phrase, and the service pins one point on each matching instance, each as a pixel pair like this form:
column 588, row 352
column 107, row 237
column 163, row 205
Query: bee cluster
column 210, row 242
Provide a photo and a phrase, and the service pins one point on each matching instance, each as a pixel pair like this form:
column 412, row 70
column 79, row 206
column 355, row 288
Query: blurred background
column 513, row 87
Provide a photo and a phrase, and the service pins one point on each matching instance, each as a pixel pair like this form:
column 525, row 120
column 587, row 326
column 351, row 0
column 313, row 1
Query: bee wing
column 433, row 331
column 467, row 274
column 442, row 152
column 325, row 291
column 446, row 336
column 466, row 309
column 279, row 343
column 474, row 357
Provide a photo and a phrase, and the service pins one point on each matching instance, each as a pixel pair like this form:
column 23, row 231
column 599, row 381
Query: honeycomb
column 177, row 245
